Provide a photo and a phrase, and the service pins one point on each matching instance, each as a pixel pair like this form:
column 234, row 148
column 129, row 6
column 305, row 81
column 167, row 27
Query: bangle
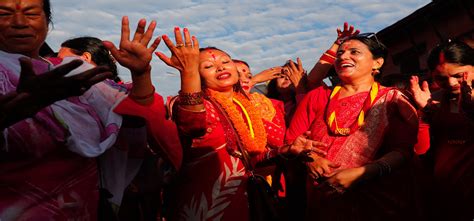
column 194, row 98
column 135, row 97
column 328, row 56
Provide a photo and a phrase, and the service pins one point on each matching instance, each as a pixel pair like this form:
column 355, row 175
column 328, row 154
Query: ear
column 377, row 63
column 88, row 57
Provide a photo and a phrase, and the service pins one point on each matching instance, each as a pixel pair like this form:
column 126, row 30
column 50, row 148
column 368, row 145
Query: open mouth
column 223, row 76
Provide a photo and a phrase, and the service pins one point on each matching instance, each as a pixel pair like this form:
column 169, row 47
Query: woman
column 370, row 131
column 447, row 117
column 91, row 50
column 47, row 170
column 215, row 120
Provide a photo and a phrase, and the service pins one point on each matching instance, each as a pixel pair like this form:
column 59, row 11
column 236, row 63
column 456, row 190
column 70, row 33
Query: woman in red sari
column 370, row 131
column 216, row 121
column 448, row 116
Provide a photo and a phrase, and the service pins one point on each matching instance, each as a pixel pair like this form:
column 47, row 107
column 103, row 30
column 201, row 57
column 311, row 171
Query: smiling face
column 450, row 76
column 245, row 76
column 354, row 61
column 218, row 71
column 23, row 26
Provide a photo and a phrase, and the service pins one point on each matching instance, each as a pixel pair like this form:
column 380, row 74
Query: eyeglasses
column 369, row 35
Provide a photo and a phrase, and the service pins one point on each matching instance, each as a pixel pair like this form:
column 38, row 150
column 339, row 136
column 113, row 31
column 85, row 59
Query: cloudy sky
column 265, row 33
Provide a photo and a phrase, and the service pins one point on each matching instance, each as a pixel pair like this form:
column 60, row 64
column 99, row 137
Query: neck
column 357, row 86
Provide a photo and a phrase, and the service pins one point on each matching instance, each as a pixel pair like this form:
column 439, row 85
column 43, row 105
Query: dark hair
column 47, row 11
column 377, row 48
column 240, row 61
column 99, row 54
column 453, row 51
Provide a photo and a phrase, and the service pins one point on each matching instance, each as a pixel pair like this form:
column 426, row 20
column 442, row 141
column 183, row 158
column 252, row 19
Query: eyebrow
column 29, row 7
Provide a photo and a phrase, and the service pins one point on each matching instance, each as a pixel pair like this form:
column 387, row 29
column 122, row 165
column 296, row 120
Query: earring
column 375, row 71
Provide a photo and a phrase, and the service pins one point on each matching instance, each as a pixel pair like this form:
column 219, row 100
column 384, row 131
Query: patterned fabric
column 212, row 183
column 390, row 125
column 43, row 172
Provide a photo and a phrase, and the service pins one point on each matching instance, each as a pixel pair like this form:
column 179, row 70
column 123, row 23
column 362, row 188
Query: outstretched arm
column 135, row 54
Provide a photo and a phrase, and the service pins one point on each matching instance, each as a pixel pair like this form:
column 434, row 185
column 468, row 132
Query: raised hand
column 184, row 55
column 267, row 75
column 467, row 95
column 53, row 85
column 135, row 54
column 421, row 95
column 35, row 92
column 295, row 73
column 348, row 31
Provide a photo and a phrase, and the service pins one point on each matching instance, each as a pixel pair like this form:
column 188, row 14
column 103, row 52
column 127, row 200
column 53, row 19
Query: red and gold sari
column 390, row 125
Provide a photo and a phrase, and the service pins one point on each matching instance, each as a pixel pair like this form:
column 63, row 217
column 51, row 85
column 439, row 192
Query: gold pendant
column 343, row 131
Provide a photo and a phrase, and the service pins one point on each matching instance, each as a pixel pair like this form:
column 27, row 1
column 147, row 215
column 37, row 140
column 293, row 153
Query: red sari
column 390, row 125
column 212, row 183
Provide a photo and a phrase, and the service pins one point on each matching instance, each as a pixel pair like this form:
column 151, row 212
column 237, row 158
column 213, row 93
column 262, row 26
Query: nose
column 220, row 67
column 19, row 20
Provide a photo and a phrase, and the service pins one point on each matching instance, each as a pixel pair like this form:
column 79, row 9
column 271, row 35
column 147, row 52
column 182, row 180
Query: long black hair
column 99, row 54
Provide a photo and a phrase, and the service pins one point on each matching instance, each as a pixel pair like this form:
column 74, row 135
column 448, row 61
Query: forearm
column 385, row 165
column 322, row 67
column 190, row 96
column 142, row 90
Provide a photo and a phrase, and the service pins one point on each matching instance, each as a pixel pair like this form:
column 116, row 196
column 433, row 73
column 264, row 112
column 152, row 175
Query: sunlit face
column 355, row 61
column 218, row 71
column 283, row 82
column 449, row 76
column 245, row 76
column 23, row 26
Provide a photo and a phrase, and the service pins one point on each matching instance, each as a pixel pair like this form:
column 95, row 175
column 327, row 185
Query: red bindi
column 18, row 5
column 212, row 54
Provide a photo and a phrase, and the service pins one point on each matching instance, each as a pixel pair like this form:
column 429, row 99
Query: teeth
column 346, row 65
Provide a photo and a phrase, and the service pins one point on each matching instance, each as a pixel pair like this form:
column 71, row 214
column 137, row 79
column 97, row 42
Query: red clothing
column 452, row 148
column 390, row 125
column 211, row 183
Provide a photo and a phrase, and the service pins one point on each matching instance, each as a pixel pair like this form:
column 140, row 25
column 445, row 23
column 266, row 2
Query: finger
column 195, row 42
column 155, row 44
column 86, row 75
column 63, row 69
column 356, row 32
column 111, row 47
column 334, row 165
column 300, row 64
column 345, row 26
column 26, row 69
column 99, row 78
column 164, row 58
column 338, row 32
column 178, row 36
column 169, row 43
column 149, row 33
column 425, row 87
column 4, row 98
column 319, row 151
column 351, row 29
column 139, row 31
column 292, row 66
column 187, row 38
column 125, row 31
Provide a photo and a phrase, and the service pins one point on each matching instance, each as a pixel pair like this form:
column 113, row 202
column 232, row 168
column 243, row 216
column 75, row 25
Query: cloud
column 264, row 33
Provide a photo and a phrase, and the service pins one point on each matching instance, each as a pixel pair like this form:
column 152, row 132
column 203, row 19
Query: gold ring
column 179, row 45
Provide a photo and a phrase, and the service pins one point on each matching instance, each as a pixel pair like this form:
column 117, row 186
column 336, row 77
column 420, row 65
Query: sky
column 264, row 33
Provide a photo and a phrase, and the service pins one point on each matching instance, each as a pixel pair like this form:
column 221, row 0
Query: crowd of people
column 77, row 143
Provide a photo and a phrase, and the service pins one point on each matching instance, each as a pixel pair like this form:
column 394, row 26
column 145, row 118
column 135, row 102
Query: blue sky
column 265, row 33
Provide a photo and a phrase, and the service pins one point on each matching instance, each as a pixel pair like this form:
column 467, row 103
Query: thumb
column 111, row 47
column 334, row 165
column 425, row 87
column 26, row 72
